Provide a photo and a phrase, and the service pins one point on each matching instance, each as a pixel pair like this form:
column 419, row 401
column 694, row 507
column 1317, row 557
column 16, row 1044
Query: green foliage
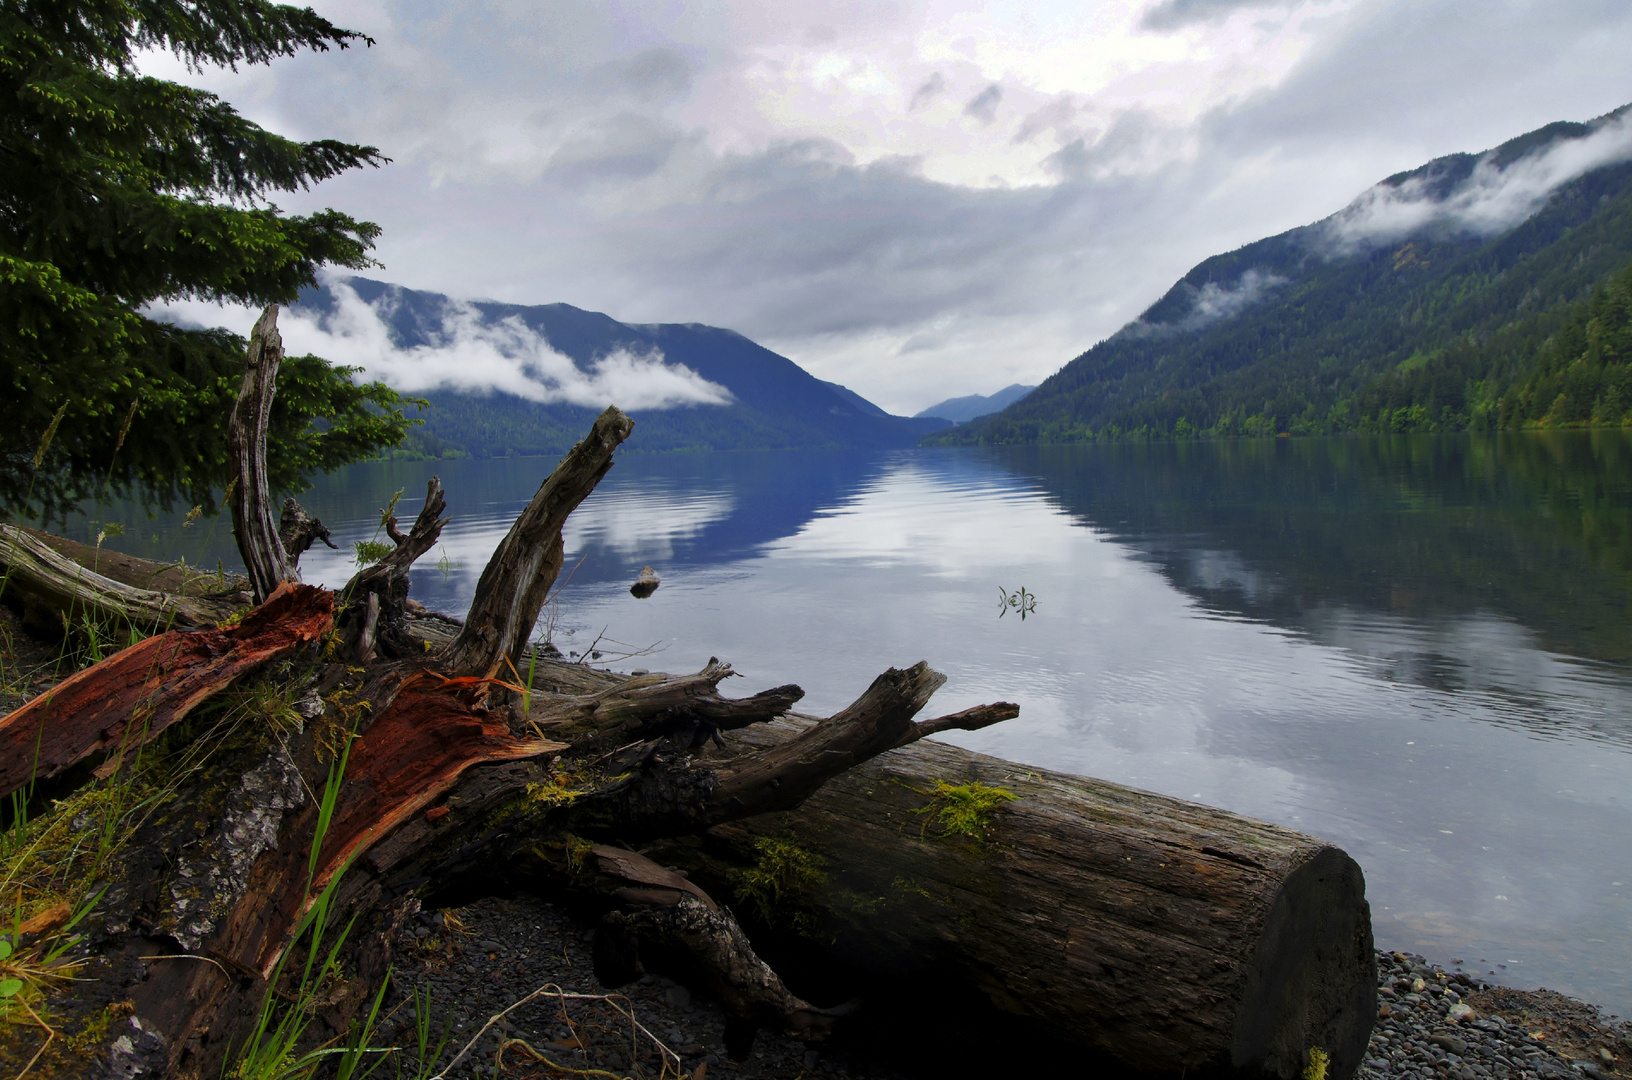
column 966, row 809
column 119, row 190
column 1319, row 1060
column 782, row 872
column 1445, row 331
column 370, row 552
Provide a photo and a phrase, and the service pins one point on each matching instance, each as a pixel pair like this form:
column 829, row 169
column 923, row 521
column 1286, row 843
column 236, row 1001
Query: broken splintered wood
column 249, row 499
column 374, row 603
column 517, row 579
column 130, row 698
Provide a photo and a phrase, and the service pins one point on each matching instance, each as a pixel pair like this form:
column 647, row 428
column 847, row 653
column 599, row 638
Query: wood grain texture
column 517, row 579
column 129, row 698
column 1176, row 937
column 63, row 590
column 254, row 523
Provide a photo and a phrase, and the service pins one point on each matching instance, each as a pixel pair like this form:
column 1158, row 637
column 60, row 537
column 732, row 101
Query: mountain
column 961, row 410
column 1441, row 299
column 688, row 386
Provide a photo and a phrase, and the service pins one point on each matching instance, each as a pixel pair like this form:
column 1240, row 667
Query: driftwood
column 55, row 591
column 443, row 766
column 1173, row 937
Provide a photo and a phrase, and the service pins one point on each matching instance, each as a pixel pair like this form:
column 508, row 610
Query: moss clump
column 561, row 789
column 782, row 874
column 1318, row 1061
column 965, row 809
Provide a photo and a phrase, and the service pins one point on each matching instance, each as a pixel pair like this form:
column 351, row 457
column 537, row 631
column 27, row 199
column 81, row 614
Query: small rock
column 811, row 1058
column 646, row 584
column 1462, row 1012
column 1449, row 1042
column 678, row 997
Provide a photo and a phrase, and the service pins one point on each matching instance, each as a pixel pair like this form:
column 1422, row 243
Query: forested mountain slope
column 438, row 347
column 1461, row 294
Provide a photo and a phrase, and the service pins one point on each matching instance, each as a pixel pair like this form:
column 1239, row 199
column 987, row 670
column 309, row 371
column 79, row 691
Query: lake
column 1418, row 648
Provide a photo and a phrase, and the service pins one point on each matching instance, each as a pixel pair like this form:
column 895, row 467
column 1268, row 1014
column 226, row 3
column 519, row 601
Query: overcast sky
column 916, row 199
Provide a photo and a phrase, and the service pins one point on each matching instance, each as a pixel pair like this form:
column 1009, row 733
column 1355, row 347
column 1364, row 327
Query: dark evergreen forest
column 1439, row 330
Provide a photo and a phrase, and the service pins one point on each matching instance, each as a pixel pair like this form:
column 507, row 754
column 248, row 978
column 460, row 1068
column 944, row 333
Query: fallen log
column 55, row 591
column 1174, row 937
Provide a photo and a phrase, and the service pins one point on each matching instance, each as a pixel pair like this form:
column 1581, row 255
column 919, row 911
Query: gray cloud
column 929, row 91
column 983, row 106
column 1165, row 15
column 1056, row 116
column 623, row 146
column 658, row 73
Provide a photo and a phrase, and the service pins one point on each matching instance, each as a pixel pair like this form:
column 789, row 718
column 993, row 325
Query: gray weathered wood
column 254, row 523
column 1176, row 937
column 63, row 591
column 517, row 579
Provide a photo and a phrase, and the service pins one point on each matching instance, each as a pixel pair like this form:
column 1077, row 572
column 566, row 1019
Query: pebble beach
column 480, row 960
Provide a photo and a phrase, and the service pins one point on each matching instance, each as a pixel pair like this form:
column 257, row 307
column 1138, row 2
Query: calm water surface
column 1419, row 649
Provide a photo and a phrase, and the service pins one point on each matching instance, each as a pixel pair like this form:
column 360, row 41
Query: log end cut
column 1312, row 984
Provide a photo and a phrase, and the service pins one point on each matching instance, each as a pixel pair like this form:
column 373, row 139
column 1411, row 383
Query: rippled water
column 1419, row 649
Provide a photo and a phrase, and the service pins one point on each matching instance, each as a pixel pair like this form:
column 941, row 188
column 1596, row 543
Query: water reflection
column 1416, row 648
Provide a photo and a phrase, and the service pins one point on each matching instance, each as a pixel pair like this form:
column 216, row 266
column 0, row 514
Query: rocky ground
column 1433, row 1024
column 480, row 959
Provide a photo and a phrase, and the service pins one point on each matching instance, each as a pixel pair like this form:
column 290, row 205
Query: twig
column 50, row 1034
column 552, row 990
column 188, row 956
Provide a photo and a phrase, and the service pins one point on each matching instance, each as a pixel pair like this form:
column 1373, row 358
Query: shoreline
column 485, row 956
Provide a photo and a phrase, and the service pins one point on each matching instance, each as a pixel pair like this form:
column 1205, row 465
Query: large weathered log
column 54, row 589
column 1172, row 936
column 517, row 579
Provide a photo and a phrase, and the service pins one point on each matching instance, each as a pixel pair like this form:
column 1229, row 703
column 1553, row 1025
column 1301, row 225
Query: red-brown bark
column 128, row 699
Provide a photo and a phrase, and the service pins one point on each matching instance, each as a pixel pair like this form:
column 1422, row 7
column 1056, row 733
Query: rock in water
column 646, row 584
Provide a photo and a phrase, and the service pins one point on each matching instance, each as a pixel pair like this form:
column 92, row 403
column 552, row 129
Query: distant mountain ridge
column 773, row 403
column 1437, row 300
column 961, row 410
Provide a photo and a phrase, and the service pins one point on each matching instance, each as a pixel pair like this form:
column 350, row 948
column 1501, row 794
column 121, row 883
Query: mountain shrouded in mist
column 510, row 379
column 1478, row 291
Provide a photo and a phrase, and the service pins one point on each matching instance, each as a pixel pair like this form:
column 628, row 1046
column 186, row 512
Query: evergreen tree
column 117, row 190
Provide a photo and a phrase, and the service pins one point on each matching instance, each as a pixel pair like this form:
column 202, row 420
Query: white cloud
column 472, row 354
column 1494, row 197
column 1212, row 303
column 467, row 353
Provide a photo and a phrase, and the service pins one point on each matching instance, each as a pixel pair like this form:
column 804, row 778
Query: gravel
column 481, row 959
column 1433, row 1023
